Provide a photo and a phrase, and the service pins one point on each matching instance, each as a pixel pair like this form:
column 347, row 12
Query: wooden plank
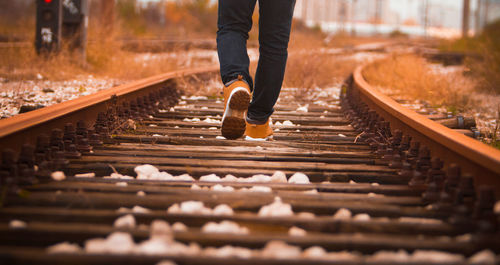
column 323, row 224
column 230, row 156
column 238, row 202
column 185, row 191
column 236, row 150
column 248, row 164
column 340, row 146
column 104, row 169
column 51, row 233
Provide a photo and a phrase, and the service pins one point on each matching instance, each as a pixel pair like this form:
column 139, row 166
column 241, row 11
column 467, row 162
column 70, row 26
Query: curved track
column 371, row 189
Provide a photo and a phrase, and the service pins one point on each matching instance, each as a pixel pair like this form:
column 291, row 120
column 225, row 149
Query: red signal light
column 48, row 1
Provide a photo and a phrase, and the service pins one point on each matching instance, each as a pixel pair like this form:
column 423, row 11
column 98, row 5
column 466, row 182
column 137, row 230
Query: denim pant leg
column 234, row 23
column 275, row 23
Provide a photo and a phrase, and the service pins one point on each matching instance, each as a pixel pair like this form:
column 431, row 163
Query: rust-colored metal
column 475, row 158
column 24, row 128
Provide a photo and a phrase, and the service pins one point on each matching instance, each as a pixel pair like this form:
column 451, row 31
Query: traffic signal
column 75, row 23
column 48, row 25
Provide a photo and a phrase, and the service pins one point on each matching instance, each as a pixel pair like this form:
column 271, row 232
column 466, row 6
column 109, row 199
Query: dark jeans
column 275, row 21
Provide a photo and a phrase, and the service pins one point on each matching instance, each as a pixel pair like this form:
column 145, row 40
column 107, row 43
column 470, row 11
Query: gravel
column 32, row 94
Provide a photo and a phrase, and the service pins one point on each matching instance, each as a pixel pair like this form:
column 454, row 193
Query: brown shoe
column 258, row 132
column 236, row 101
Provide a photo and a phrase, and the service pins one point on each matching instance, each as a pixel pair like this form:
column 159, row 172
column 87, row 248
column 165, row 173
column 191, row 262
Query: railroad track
column 369, row 193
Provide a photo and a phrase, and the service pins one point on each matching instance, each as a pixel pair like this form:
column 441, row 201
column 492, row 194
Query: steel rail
column 23, row 128
column 475, row 158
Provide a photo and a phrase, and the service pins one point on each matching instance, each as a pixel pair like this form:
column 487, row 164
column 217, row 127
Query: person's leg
column 274, row 33
column 234, row 23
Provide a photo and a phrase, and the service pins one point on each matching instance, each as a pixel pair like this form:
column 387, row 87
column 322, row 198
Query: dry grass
column 311, row 70
column 103, row 59
column 411, row 77
column 484, row 64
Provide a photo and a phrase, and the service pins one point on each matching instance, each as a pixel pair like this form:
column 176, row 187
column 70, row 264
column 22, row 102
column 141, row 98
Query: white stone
column 161, row 229
column 497, row 208
column 256, row 178
column 118, row 176
column 184, row 177
column 194, row 207
column 58, row 176
column 303, row 108
column 362, row 217
column 209, row 120
column 279, row 177
column 85, row 175
column 210, row 178
column 464, row 238
column 166, row 262
column 64, row 247
column 342, row 214
column 121, row 184
column 224, row 227
column 280, row 250
column 313, row 191
column 296, row 231
column 141, row 193
column 229, row 178
column 139, row 209
column 17, row 224
column 288, row 123
column 179, row 227
column 126, row 221
column 342, row 256
column 275, row 209
column 145, row 171
column 174, row 209
column 314, row 252
column 116, row 243
column 221, row 188
column 485, row 257
column 299, row 178
column 264, row 189
column 222, row 209
column 220, row 137
column 195, row 187
column 417, row 220
column 229, row 251
column 436, row 256
column 306, row 215
column 154, row 246
column 389, row 256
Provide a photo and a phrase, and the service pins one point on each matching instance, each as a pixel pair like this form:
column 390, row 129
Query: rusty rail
column 474, row 158
column 344, row 152
column 23, row 128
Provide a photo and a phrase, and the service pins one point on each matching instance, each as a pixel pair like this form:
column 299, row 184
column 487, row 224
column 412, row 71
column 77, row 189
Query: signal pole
column 378, row 14
column 426, row 17
column 353, row 26
column 304, row 10
column 477, row 15
column 48, row 26
column 465, row 19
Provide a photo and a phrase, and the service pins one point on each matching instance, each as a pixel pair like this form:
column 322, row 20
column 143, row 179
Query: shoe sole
column 233, row 121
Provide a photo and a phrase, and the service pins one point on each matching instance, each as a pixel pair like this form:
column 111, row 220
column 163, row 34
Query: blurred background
column 131, row 39
column 188, row 18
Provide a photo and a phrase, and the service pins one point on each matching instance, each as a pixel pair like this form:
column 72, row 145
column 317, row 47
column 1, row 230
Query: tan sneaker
column 236, row 101
column 258, row 132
